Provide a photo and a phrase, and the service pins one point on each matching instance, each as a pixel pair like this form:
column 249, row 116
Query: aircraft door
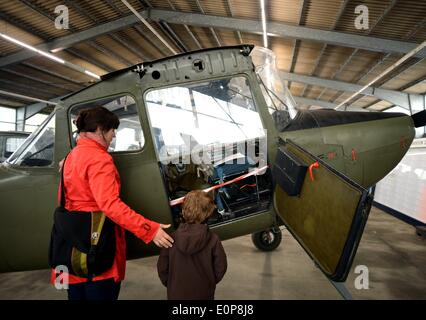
column 208, row 134
column 324, row 210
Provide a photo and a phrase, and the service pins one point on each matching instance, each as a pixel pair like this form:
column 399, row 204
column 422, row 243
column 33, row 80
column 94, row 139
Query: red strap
column 315, row 165
column 251, row 173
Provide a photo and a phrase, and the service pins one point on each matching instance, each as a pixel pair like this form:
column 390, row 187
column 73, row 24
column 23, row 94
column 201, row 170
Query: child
column 196, row 262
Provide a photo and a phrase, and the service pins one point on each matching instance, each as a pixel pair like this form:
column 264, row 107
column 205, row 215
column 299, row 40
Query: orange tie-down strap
column 254, row 172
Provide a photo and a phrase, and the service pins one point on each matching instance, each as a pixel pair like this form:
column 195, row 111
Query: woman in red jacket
column 92, row 183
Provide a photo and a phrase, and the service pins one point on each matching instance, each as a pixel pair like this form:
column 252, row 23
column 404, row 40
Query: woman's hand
column 162, row 239
column 61, row 164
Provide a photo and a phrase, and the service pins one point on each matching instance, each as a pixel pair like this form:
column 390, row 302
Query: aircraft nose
column 386, row 142
column 372, row 143
column 326, row 118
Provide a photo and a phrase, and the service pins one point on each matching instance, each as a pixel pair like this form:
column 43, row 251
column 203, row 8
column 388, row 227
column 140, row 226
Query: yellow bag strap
column 79, row 262
column 98, row 220
column 78, row 258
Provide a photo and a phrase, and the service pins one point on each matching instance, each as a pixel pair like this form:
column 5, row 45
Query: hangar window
column 38, row 149
column 129, row 136
column 12, row 144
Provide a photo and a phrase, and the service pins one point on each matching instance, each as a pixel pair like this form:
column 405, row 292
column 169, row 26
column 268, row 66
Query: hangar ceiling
column 314, row 41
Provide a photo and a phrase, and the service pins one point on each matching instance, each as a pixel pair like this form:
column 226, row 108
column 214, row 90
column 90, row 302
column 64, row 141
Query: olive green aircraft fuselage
column 354, row 151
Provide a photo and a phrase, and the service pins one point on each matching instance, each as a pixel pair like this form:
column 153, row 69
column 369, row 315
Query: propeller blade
column 419, row 119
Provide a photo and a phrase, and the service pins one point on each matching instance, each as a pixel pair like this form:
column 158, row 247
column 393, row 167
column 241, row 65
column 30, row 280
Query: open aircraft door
column 323, row 209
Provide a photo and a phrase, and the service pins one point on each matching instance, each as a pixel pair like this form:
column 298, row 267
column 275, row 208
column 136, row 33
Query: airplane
column 219, row 120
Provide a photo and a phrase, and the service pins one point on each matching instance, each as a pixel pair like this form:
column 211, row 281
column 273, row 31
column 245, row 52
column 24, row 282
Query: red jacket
column 92, row 183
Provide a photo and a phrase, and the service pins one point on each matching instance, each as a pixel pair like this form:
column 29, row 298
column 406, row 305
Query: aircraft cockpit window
column 279, row 100
column 208, row 134
column 201, row 114
column 38, row 149
column 129, row 136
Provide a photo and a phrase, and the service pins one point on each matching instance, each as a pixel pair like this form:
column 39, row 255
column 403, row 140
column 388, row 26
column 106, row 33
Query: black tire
column 267, row 240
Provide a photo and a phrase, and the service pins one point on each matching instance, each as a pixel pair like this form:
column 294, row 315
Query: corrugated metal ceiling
column 32, row 22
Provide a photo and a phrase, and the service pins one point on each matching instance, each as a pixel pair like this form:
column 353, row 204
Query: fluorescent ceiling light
column 91, row 74
column 27, row 46
column 19, row 43
column 265, row 36
column 50, row 56
column 56, row 50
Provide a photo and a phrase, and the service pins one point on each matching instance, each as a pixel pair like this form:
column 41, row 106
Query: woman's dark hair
column 88, row 120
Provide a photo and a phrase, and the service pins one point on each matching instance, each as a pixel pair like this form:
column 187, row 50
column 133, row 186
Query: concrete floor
column 394, row 254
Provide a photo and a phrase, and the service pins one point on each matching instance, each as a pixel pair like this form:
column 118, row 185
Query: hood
column 325, row 118
column 191, row 238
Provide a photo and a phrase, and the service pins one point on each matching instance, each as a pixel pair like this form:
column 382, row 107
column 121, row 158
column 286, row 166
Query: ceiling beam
column 231, row 11
column 418, row 27
column 370, row 30
column 215, row 36
column 244, row 25
column 342, row 9
column 402, row 99
column 415, row 106
column 10, row 102
column 295, row 52
column 322, row 103
column 286, row 31
column 35, row 108
column 24, row 97
column 314, row 102
column 28, row 88
column 54, row 74
column 37, row 79
column 115, row 37
column 160, row 24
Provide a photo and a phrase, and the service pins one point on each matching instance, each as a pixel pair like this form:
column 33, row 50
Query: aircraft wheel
column 267, row 240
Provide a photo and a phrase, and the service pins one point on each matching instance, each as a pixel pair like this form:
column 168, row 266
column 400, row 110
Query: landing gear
column 267, row 240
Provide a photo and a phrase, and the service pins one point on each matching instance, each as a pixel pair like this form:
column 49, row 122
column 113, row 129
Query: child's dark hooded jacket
column 194, row 265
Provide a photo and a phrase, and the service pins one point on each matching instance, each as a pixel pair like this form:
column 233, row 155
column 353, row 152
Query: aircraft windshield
column 281, row 104
column 212, row 112
column 38, row 149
